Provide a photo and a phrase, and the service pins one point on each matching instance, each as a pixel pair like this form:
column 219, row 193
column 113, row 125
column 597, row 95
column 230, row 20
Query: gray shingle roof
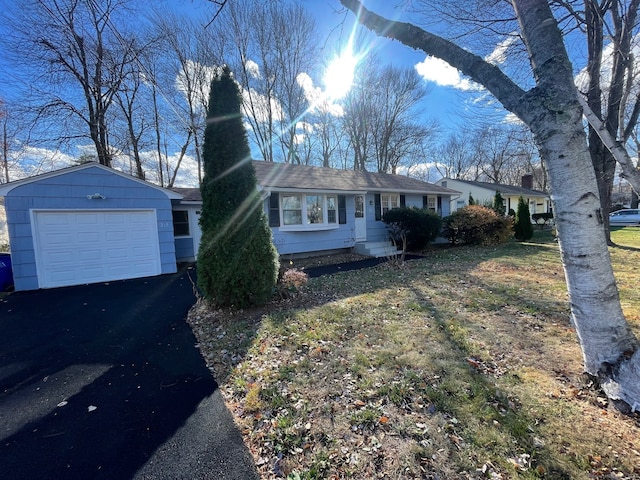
column 280, row 176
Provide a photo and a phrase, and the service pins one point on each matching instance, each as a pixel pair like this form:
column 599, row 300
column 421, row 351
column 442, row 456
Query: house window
column 180, row 223
column 299, row 209
column 389, row 201
column 292, row 209
column 431, row 203
column 314, row 209
column 332, row 207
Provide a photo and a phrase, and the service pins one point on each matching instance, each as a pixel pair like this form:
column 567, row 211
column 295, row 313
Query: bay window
column 313, row 210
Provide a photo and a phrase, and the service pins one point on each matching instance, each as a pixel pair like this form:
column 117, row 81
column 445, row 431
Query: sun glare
column 339, row 75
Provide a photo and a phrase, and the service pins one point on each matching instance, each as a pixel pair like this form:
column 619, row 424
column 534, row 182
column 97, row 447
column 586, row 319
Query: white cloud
column 440, row 72
column 318, row 99
column 259, row 110
column 511, row 119
column 422, row 171
column 499, row 54
column 252, row 68
column 582, row 77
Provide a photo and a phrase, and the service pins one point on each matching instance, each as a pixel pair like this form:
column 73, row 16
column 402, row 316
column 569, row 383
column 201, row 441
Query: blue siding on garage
column 68, row 191
column 185, row 249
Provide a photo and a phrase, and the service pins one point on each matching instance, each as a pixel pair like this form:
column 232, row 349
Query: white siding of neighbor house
column 4, row 229
column 537, row 204
column 68, row 191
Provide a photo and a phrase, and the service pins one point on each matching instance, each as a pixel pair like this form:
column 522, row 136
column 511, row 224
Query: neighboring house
column 483, row 192
column 4, row 230
column 89, row 223
column 314, row 210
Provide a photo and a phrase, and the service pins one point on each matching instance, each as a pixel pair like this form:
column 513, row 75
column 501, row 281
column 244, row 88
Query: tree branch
column 475, row 67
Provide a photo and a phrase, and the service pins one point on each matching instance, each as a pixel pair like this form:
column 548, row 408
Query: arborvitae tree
column 523, row 230
column 471, row 200
column 498, row 203
column 237, row 262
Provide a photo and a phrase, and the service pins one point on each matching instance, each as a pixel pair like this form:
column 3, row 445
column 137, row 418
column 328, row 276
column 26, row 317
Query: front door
column 360, row 219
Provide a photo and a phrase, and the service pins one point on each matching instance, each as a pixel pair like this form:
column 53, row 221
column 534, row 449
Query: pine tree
column 498, row 203
column 237, row 262
column 523, row 230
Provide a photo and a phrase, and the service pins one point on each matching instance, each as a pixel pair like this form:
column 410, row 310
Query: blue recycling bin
column 6, row 272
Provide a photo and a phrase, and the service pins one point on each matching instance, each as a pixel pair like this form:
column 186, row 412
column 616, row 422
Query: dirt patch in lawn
column 462, row 364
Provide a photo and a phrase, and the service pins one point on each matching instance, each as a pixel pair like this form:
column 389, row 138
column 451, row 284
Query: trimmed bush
column 419, row 226
column 477, row 225
column 523, row 230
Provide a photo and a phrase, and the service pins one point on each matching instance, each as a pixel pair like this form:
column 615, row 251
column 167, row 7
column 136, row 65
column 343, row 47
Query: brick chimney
column 527, row 181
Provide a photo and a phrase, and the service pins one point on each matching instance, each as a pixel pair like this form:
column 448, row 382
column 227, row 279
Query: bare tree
column 272, row 44
column 78, row 55
column 553, row 113
column 191, row 55
column 127, row 99
column 381, row 117
column 359, row 111
column 455, row 157
column 396, row 132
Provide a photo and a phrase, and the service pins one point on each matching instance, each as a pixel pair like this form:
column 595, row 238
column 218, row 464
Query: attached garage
column 88, row 224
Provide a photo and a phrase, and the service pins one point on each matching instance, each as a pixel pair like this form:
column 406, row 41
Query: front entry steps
column 376, row 249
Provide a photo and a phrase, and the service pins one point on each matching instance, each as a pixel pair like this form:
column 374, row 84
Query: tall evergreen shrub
column 237, row 262
column 498, row 203
column 523, row 230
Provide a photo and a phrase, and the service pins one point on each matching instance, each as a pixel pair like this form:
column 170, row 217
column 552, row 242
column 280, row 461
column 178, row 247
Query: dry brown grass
column 459, row 365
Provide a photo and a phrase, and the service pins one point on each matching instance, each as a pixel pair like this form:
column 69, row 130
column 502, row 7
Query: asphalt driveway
column 105, row 382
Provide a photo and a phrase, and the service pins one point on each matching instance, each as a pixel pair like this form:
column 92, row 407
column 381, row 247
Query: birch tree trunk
column 553, row 113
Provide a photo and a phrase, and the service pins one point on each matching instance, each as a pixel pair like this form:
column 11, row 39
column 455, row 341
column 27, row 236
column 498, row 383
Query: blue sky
column 449, row 101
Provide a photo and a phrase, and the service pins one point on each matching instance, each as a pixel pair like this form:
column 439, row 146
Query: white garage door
column 78, row 247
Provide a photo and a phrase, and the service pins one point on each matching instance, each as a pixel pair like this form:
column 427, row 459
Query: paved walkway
column 348, row 266
column 105, row 382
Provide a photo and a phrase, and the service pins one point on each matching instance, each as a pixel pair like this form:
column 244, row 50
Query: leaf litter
column 398, row 372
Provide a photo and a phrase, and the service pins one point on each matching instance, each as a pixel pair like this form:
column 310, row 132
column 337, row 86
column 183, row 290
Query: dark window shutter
column 403, row 200
column 425, row 201
column 274, row 209
column 378, row 207
column 342, row 209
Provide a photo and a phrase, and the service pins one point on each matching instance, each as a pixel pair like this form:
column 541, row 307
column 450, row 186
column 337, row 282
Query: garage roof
column 7, row 187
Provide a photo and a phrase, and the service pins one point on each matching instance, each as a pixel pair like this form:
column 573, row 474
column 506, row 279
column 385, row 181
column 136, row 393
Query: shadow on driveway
column 105, row 381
